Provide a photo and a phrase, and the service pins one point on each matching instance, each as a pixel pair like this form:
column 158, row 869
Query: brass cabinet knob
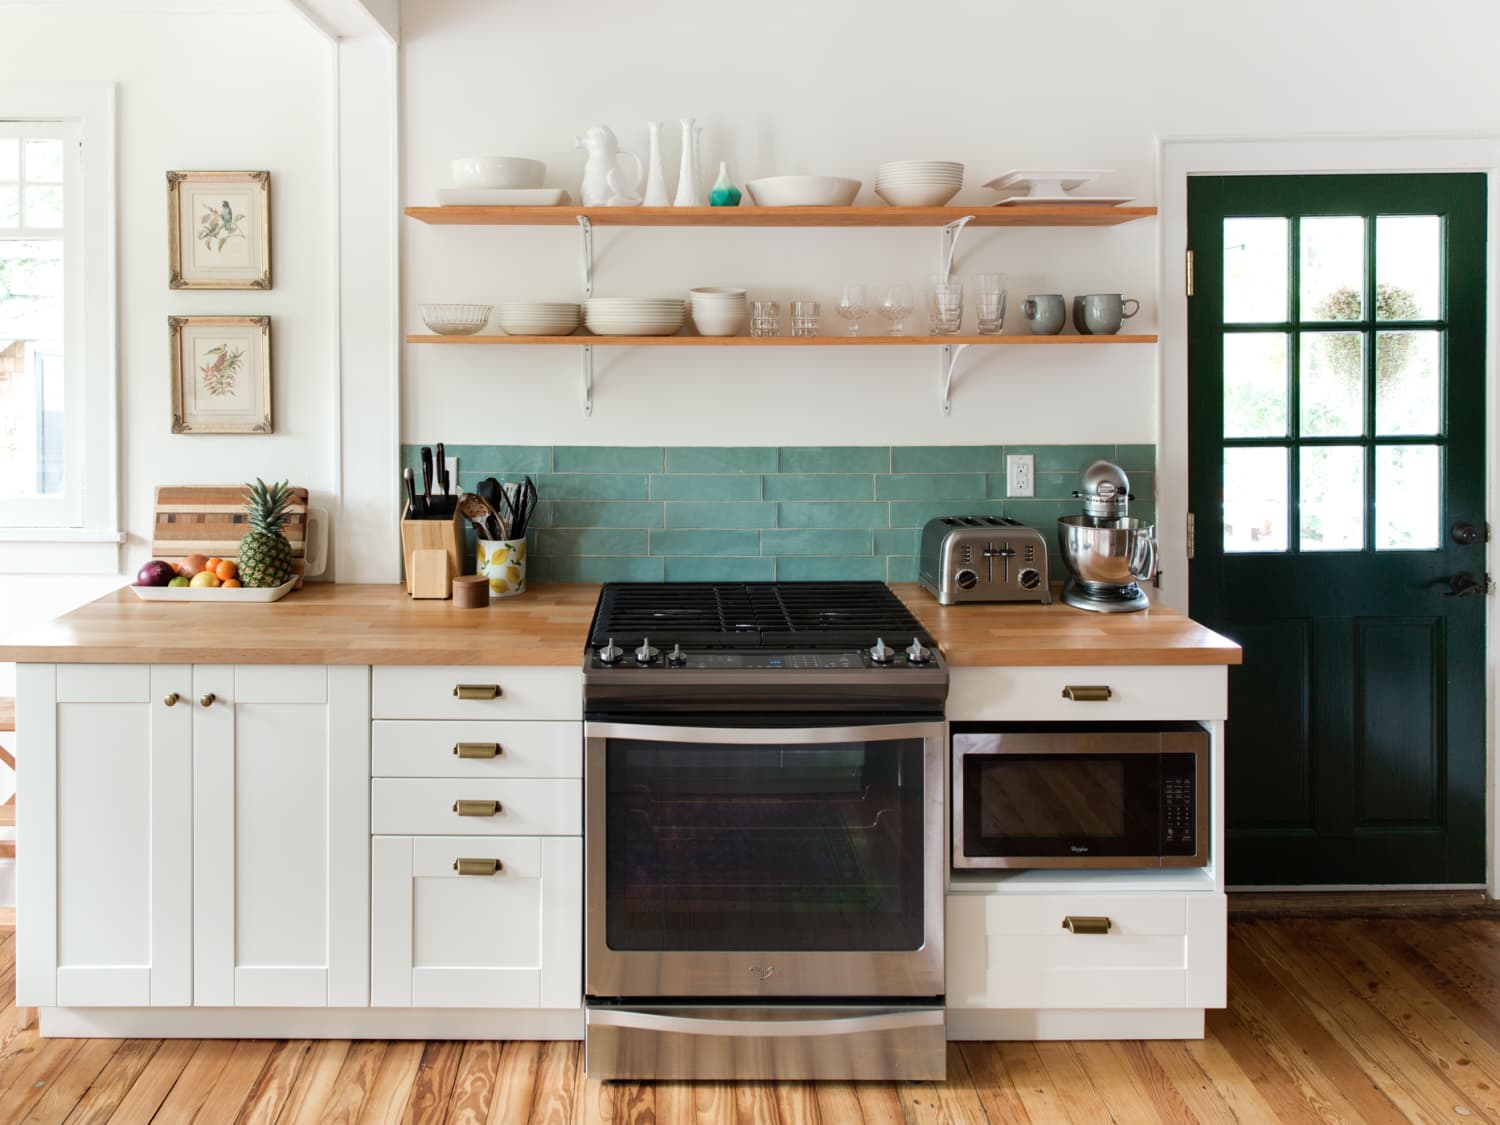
column 1086, row 924
column 476, row 691
column 476, row 749
column 476, row 866
column 171, row 699
column 476, row 808
column 207, row 699
column 1088, row 693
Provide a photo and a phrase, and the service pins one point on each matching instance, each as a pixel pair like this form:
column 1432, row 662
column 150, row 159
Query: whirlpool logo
column 762, row 972
column 1078, row 849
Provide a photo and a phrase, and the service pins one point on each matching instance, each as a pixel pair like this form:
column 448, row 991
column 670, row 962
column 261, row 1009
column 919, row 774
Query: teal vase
column 723, row 193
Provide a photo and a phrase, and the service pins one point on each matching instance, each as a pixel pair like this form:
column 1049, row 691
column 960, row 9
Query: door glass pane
column 44, row 205
column 1332, row 384
column 1407, row 501
column 1255, row 385
column 44, row 161
column 10, row 167
column 1255, row 257
column 1255, row 500
column 1333, row 498
column 31, row 339
column 1406, row 382
column 10, row 205
column 1333, row 268
column 1408, row 258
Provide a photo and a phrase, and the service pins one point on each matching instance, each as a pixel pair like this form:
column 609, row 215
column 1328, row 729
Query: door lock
column 1465, row 585
column 1464, row 533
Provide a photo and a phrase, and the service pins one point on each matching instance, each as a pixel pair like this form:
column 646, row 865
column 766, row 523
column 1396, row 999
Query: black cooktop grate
column 826, row 615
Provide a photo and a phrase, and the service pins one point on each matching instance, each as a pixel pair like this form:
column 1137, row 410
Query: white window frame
column 80, row 534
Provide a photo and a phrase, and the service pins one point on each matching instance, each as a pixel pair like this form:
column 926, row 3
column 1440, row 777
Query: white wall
column 240, row 89
column 785, row 86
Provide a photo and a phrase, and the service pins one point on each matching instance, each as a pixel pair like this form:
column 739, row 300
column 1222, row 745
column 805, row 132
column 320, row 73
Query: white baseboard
column 966, row 1024
column 310, row 1023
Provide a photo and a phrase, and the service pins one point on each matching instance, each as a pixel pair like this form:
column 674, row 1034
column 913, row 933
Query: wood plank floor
column 1330, row 1020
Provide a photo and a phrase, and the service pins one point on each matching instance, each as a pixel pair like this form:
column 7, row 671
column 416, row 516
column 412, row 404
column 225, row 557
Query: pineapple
column 265, row 555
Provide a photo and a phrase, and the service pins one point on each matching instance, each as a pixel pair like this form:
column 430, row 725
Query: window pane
column 10, row 206
column 44, row 161
column 1407, row 501
column 10, row 155
column 1332, row 384
column 1408, row 257
column 31, row 332
column 1255, row 255
column 1254, row 500
column 44, row 205
column 1333, row 498
column 1406, row 382
column 1333, row 268
column 1255, row 384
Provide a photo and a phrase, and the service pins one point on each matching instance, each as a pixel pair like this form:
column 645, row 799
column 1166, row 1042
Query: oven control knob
column 918, row 653
column 646, row 654
column 882, row 653
column 676, row 658
column 610, row 654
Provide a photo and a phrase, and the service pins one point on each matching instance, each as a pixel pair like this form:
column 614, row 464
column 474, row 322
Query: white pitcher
column 603, row 183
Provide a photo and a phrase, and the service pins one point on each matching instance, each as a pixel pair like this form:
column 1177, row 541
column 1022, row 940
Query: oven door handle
column 759, row 736
column 751, row 1027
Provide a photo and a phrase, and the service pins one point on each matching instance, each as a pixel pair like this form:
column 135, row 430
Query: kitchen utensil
column 455, row 320
column 806, row 318
column 603, row 183
column 983, row 559
column 481, row 514
column 442, row 472
column 989, row 303
column 896, row 307
column 1104, row 549
column 433, row 551
column 765, row 319
column 689, row 179
column 490, row 491
column 1104, row 312
column 411, row 490
column 853, row 306
column 426, row 481
column 502, row 197
column 945, row 304
column 498, row 172
column 804, row 191
column 1045, row 313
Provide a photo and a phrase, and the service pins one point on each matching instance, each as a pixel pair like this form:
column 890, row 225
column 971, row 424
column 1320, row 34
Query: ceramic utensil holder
column 424, row 578
column 503, row 561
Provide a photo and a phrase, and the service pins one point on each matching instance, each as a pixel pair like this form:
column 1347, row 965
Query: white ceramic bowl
column 921, row 167
column 917, row 195
column 804, row 191
column 455, row 320
column 538, row 318
column 498, row 172
column 633, row 316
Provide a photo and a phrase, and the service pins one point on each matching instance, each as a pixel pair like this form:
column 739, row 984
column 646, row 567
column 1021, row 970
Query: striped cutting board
column 209, row 519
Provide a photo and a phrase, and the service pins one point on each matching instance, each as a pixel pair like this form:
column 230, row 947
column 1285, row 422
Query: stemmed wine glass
column 854, row 307
column 896, row 307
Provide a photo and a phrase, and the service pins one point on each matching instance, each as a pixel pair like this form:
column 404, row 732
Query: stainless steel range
column 764, row 811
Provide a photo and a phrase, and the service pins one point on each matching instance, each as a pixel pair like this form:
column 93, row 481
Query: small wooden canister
column 471, row 591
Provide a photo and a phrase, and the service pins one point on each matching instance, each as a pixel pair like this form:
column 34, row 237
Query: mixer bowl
column 1113, row 552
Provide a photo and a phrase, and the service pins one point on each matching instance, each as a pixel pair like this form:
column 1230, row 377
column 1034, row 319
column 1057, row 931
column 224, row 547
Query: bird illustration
column 227, row 212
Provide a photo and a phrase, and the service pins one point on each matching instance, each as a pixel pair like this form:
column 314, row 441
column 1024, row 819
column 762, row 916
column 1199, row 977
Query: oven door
column 755, row 861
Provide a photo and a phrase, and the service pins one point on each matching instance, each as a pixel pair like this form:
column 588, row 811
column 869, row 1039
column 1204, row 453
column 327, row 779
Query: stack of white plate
column 919, row 183
column 718, row 311
column 538, row 318
column 633, row 316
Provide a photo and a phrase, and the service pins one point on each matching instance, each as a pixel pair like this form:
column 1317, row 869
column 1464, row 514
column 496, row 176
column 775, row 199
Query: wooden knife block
column 427, row 576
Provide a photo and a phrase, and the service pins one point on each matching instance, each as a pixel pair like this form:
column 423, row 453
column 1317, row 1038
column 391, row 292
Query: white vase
column 689, row 193
column 656, row 178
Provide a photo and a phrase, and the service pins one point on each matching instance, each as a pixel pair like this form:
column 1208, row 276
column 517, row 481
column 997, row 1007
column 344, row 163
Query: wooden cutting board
column 210, row 519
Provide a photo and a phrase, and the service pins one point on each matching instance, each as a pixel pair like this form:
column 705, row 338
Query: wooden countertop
column 326, row 623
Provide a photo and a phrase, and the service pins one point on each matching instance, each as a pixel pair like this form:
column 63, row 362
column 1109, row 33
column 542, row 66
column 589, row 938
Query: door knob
column 1464, row 533
column 1465, row 585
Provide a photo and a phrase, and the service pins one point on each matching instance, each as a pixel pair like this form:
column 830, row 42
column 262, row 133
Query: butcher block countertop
column 326, row 623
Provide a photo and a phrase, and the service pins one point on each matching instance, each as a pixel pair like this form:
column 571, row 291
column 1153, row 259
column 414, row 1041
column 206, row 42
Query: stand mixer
column 1105, row 550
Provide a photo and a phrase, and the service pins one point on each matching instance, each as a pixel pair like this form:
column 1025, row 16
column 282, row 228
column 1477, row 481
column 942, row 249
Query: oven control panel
column 674, row 657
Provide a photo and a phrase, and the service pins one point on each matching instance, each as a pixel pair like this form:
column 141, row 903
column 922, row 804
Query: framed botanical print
column 221, row 374
column 219, row 230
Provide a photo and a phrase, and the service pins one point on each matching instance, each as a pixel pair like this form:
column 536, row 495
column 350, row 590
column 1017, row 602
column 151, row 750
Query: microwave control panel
column 1178, row 815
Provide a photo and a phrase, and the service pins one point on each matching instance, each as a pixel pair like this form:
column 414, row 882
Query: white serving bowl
column 804, row 191
column 917, row 195
column 718, row 324
column 498, row 172
column 921, row 167
column 538, row 318
column 455, row 320
column 633, row 316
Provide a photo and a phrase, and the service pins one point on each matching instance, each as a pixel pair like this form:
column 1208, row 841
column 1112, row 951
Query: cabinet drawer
column 459, row 748
column 419, row 692
column 1135, row 692
column 425, row 807
column 1013, row 951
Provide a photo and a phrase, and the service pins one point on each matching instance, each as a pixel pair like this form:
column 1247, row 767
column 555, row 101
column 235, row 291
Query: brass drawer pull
column 476, row 749
column 171, row 698
column 1087, row 693
column 476, row 691
column 476, row 808
column 476, row 866
column 1086, row 924
column 207, row 699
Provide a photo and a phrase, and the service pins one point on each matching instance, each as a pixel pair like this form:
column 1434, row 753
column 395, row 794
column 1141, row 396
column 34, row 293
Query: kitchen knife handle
column 476, row 691
column 476, row 749
column 476, row 866
column 1087, row 693
column 1086, row 924
column 476, row 808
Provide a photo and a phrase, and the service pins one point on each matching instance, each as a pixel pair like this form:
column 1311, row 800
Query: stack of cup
column 989, row 303
column 766, row 319
column 718, row 311
column 806, row 318
column 945, row 304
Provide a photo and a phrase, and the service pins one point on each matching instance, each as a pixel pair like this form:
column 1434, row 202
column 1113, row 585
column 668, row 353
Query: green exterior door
column 1336, row 402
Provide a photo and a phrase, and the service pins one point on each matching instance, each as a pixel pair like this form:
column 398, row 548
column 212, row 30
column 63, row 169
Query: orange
column 230, row 583
column 226, row 570
column 213, row 564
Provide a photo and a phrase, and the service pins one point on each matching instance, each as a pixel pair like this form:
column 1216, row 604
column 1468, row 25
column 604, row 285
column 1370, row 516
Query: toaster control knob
column 676, row 658
column 1030, row 579
column 610, row 654
column 918, row 653
column 966, row 579
column 645, row 654
column 882, row 653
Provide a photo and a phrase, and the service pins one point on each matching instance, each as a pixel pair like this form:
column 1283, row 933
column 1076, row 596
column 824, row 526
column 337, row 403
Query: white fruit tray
column 232, row 596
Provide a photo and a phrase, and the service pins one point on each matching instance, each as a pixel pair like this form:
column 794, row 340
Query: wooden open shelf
column 776, row 341
column 983, row 216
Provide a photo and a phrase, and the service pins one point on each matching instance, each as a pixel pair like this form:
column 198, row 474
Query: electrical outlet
column 1020, row 475
column 451, row 464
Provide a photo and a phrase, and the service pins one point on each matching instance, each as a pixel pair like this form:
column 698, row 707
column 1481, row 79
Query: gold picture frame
column 221, row 374
column 219, row 230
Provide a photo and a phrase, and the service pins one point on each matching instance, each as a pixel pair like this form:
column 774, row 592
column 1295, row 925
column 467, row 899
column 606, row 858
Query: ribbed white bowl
column 455, row 320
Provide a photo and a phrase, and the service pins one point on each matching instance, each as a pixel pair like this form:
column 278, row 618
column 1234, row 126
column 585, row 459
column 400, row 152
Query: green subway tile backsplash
column 757, row 513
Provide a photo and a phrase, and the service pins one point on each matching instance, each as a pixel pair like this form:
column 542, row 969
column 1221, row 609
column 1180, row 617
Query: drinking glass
column 765, row 319
column 806, row 318
column 945, row 303
column 989, row 303
column 854, row 307
column 896, row 307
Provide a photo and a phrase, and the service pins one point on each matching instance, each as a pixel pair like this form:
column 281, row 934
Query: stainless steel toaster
column 984, row 559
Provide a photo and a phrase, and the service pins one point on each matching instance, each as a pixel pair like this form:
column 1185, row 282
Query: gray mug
column 1104, row 312
column 1079, row 322
column 1045, row 313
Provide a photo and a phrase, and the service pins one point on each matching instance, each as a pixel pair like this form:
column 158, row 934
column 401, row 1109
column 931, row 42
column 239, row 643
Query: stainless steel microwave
column 1071, row 795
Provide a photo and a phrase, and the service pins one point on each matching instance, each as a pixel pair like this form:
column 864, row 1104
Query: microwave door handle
column 759, row 736
column 750, row 1027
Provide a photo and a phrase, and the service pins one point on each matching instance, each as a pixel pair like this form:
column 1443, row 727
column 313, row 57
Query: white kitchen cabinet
column 507, row 939
column 208, row 852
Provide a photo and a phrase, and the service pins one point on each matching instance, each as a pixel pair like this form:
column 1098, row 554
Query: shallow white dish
column 232, row 596
column 917, row 195
column 502, row 197
column 1064, row 200
column 455, row 320
column 497, row 172
column 804, row 191
column 1046, row 181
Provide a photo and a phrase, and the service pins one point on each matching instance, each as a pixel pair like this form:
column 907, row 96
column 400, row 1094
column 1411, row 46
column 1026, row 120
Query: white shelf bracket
column 951, row 231
column 947, row 359
column 586, row 364
column 586, row 230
